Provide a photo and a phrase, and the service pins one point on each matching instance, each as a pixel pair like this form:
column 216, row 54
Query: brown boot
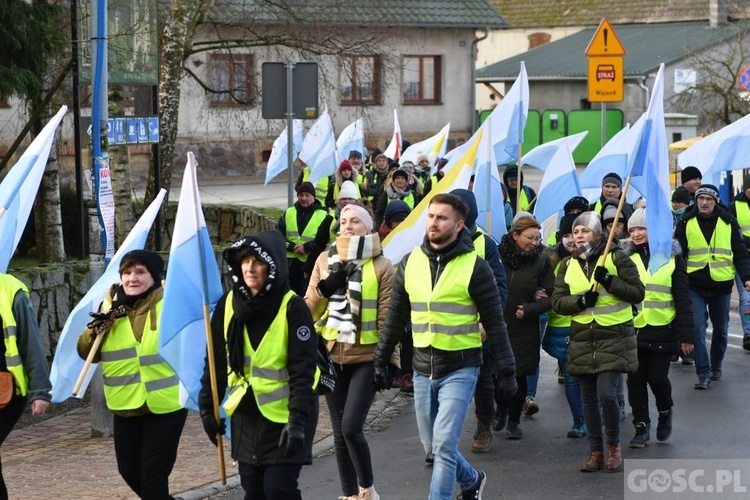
column 482, row 438
column 594, row 462
column 614, row 460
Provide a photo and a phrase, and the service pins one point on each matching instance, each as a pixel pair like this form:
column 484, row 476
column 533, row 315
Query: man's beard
column 438, row 238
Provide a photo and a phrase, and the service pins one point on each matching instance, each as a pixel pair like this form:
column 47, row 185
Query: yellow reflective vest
column 743, row 217
column 9, row 286
column 321, row 186
column 555, row 319
column 408, row 199
column 134, row 372
column 717, row 255
column 308, row 234
column 658, row 305
column 609, row 310
column 368, row 328
column 265, row 369
column 479, row 242
column 445, row 316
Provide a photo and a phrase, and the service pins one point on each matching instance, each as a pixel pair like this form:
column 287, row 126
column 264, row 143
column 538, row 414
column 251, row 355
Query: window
column 361, row 80
column 421, row 75
column 230, row 79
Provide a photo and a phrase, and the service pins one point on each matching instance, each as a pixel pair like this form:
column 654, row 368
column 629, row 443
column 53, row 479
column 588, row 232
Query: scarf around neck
column 349, row 253
column 513, row 255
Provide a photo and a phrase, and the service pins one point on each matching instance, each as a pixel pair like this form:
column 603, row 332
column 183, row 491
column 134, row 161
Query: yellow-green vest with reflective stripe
column 368, row 328
column 134, row 372
column 9, row 287
column 658, row 305
column 555, row 319
column 408, row 199
column 308, row 234
column 321, row 186
column 265, row 369
column 445, row 316
column 718, row 255
column 524, row 204
column 479, row 242
column 743, row 217
column 609, row 310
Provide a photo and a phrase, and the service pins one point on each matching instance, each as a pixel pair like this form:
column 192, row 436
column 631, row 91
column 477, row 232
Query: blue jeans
column 441, row 406
column 744, row 303
column 716, row 308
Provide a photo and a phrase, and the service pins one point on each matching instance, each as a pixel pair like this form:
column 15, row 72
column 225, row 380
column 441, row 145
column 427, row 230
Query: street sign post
column 606, row 79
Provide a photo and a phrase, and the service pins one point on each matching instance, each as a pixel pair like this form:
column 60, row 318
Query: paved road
column 544, row 464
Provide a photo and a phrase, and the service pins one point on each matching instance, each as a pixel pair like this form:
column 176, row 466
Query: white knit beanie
column 348, row 190
column 638, row 219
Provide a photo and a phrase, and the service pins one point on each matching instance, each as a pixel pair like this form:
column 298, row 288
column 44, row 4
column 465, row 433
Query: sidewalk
column 57, row 458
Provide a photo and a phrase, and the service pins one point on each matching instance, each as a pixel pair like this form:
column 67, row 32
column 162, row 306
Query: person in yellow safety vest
column 611, row 188
column 344, row 173
column 691, row 179
column 355, row 160
column 349, row 294
column 396, row 188
column 681, row 201
column 664, row 325
column 24, row 372
column 265, row 349
column 715, row 251
column 321, row 185
column 446, row 290
column 510, row 184
column 574, row 206
column 432, row 180
column 602, row 337
column 740, row 209
column 376, row 177
column 141, row 389
column 306, row 227
column 414, row 181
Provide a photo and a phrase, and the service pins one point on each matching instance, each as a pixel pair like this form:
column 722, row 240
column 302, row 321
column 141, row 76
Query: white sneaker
column 368, row 493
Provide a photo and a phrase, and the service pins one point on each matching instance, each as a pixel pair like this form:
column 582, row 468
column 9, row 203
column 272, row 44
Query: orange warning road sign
column 605, row 42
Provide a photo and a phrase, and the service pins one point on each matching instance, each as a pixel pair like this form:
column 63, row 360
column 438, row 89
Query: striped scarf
column 344, row 306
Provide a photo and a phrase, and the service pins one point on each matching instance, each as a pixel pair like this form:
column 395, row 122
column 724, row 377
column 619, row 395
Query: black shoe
column 746, row 342
column 514, row 430
column 664, row 427
column 642, row 436
column 688, row 360
column 429, row 459
column 500, row 420
column 475, row 492
column 703, row 383
column 715, row 373
column 675, row 358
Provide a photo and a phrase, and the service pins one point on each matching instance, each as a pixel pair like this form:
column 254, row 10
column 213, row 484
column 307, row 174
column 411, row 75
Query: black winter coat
column 437, row 363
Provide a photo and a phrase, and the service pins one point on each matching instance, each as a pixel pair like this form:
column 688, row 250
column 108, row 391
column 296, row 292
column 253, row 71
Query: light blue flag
column 352, row 138
column 488, row 190
column 727, row 149
column 560, row 180
column 319, row 149
column 67, row 365
column 650, row 160
column 19, row 188
column 613, row 157
column 508, row 120
column 278, row 162
column 192, row 289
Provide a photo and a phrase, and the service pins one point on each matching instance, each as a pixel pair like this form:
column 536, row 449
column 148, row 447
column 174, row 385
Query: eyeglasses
column 532, row 239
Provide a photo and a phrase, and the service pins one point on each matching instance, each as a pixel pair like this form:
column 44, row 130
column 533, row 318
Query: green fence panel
column 554, row 125
column 591, row 120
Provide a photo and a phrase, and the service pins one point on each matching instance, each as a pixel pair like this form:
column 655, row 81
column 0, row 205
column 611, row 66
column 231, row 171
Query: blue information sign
column 111, row 130
column 132, row 131
column 142, row 131
column 153, row 129
column 120, row 131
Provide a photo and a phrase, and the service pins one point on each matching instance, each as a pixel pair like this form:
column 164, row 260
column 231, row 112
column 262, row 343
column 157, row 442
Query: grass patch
column 270, row 212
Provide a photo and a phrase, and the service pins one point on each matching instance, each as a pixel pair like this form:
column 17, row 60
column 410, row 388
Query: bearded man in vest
column 712, row 243
column 306, row 226
column 445, row 320
column 265, row 349
column 740, row 209
column 23, row 361
column 141, row 389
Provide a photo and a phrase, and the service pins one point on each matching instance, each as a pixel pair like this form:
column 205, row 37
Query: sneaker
column 500, row 420
column 703, row 383
column 578, row 429
column 529, row 406
column 642, row 436
column 407, row 383
column 350, row 497
column 688, row 360
column 746, row 342
column 368, row 493
column 475, row 492
column 594, row 462
column 715, row 373
column 514, row 430
column 664, row 427
column 482, row 438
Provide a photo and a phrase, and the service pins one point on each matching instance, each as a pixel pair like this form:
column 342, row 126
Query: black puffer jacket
column 437, row 363
column 682, row 329
column 255, row 439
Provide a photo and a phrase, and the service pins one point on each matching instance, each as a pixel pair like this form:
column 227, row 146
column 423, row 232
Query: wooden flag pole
column 518, row 181
column 87, row 364
column 214, row 392
column 612, row 233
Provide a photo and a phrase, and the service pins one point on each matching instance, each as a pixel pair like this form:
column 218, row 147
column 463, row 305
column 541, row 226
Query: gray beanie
column 638, row 219
column 591, row 220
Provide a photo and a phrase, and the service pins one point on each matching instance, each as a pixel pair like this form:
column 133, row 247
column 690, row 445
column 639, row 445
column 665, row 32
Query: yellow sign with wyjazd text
column 605, row 79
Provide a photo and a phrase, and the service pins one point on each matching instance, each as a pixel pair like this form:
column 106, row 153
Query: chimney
column 718, row 12
column 539, row 38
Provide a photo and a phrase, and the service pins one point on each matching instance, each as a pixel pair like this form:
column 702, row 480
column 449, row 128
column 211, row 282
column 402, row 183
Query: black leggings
column 515, row 405
column 8, row 418
column 146, row 449
column 653, row 369
column 348, row 405
column 270, row 482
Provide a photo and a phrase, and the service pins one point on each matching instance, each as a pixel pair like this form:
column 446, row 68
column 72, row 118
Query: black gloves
column 293, row 438
column 602, row 276
column 102, row 321
column 588, row 299
column 212, row 427
column 333, row 282
column 507, row 386
column 383, row 378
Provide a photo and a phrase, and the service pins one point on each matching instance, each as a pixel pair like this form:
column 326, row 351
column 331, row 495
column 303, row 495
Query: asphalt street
column 544, row 464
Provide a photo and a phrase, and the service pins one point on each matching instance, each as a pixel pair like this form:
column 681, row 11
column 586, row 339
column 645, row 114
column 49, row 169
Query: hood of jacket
column 270, row 248
column 471, row 201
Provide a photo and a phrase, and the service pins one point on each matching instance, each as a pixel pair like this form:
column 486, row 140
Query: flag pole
column 87, row 364
column 518, row 180
column 612, row 233
column 209, row 339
